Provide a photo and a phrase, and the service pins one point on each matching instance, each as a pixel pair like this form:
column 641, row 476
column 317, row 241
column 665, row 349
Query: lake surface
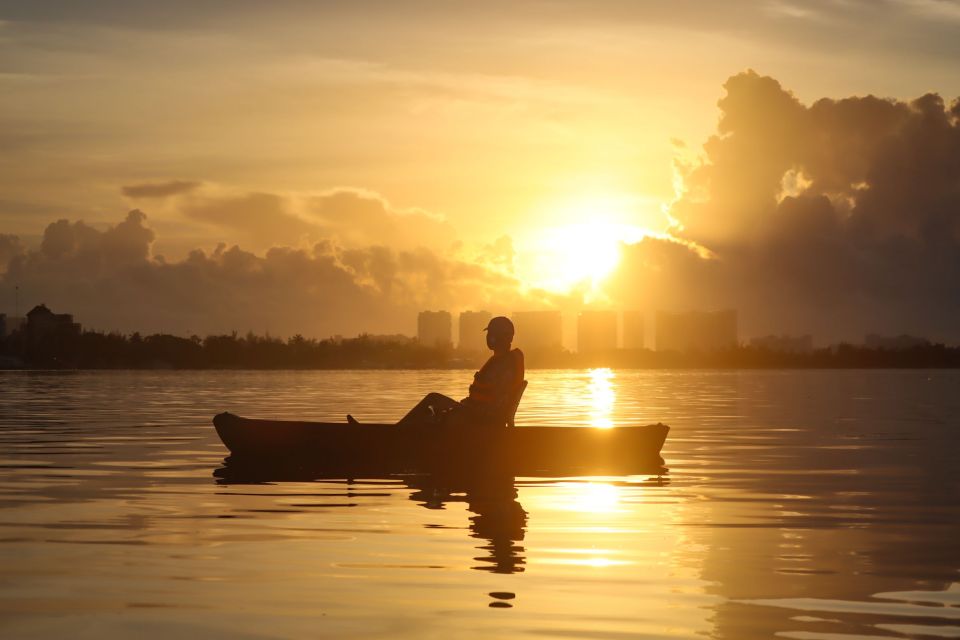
column 797, row 504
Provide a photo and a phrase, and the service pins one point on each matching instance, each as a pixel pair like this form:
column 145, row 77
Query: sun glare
column 602, row 398
column 585, row 249
column 588, row 497
column 589, row 251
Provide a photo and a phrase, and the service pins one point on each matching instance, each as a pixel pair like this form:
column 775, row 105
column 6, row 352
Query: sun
column 584, row 248
column 585, row 252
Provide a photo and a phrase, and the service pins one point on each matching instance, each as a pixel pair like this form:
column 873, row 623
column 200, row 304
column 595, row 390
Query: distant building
column 538, row 330
column 596, row 331
column 434, row 328
column 633, row 328
column 471, row 336
column 42, row 322
column 696, row 330
column 784, row 344
column 894, row 343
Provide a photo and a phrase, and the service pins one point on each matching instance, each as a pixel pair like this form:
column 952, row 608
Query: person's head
column 499, row 333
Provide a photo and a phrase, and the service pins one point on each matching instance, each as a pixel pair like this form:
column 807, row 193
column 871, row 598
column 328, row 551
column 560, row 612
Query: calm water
column 809, row 505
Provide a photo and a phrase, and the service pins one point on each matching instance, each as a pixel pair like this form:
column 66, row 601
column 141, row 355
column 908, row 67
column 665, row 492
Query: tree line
column 100, row 350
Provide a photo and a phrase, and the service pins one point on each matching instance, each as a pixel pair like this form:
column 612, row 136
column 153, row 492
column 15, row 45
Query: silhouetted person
column 494, row 390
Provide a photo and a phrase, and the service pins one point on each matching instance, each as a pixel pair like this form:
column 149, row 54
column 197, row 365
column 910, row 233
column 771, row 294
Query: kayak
column 388, row 448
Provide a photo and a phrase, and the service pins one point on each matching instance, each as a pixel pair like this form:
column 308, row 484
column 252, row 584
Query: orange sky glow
column 612, row 154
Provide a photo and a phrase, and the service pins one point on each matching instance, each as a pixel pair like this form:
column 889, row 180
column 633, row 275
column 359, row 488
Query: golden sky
column 515, row 132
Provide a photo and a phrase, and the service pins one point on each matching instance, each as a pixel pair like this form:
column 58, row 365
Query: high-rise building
column 696, row 330
column 633, row 328
column 538, row 330
column 596, row 331
column 434, row 328
column 472, row 324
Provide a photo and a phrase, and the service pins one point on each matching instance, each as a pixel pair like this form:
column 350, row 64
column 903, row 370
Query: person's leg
column 427, row 409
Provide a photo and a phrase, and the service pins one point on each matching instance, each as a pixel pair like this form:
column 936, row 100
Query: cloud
column 349, row 216
column 80, row 246
column 159, row 189
column 10, row 246
column 839, row 218
column 359, row 217
column 499, row 254
column 109, row 280
column 261, row 220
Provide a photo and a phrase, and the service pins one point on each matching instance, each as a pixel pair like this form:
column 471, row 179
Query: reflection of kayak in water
column 389, row 448
column 495, row 515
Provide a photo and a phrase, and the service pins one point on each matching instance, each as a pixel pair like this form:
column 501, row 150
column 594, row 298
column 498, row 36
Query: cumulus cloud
column 109, row 280
column 840, row 217
column 82, row 247
column 259, row 220
column 359, row 217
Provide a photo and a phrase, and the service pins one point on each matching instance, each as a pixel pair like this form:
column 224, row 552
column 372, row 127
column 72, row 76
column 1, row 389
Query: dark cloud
column 159, row 189
column 838, row 218
column 109, row 280
column 80, row 246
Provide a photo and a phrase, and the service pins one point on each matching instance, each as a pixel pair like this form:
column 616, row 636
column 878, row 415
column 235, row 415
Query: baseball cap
column 500, row 325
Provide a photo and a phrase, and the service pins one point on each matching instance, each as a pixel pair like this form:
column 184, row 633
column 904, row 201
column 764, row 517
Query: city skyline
column 596, row 332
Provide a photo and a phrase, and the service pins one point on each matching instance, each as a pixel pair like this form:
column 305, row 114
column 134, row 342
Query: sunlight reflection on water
column 788, row 493
column 602, row 398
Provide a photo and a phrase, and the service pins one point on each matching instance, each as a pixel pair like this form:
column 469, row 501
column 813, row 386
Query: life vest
column 492, row 393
